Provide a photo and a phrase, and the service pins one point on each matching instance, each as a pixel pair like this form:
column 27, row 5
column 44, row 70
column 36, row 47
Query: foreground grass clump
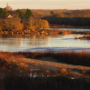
column 45, row 83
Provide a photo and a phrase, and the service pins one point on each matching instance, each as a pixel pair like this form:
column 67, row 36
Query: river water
column 75, row 29
column 41, row 43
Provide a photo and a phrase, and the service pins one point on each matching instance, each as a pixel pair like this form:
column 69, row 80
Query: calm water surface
column 75, row 29
column 40, row 43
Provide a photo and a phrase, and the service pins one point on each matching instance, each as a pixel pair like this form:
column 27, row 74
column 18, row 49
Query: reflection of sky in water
column 20, row 44
column 75, row 29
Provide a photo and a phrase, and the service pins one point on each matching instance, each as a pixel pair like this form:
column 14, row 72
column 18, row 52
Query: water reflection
column 21, row 43
column 75, row 29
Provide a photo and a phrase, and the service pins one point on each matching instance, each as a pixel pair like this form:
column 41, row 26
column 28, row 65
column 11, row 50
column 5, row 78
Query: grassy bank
column 76, row 58
column 15, row 71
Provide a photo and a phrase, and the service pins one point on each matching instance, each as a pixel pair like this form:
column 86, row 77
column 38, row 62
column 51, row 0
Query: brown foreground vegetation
column 76, row 58
column 16, row 68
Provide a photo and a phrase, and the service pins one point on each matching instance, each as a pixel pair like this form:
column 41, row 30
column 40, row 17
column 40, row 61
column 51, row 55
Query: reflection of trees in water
column 38, row 41
column 10, row 42
column 23, row 41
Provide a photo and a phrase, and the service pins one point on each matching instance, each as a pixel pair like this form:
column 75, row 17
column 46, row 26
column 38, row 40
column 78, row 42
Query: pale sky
column 46, row 4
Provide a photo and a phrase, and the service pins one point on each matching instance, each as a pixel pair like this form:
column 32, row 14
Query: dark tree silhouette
column 2, row 12
column 51, row 12
column 28, row 13
column 20, row 13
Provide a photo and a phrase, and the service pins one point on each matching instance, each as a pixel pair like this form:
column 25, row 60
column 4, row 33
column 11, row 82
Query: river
column 41, row 43
column 75, row 29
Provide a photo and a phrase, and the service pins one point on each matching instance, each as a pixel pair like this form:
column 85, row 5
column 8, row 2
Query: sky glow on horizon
column 47, row 4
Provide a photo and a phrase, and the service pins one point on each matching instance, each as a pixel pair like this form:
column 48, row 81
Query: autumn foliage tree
column 30, row 23
column 9, row 24
column 34, row 23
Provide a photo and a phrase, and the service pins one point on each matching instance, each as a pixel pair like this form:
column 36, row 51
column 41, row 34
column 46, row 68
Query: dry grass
column 15, row 68
column 21, row 65
column 76, row 58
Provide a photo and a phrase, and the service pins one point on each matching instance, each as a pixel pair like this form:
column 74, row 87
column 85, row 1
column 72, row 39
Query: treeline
column 61, row 13
column 58, row 17
column 64, row 13
column 72, row 14
column 33, row 23
column 16, row 13
column 27, row 14
column 9, row 24
column 69, row 18
column 20, row 24
column 68, row 21
column 21, row 20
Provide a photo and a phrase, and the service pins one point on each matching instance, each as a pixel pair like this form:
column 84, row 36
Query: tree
column 28, row 13
column 45, row 24
column 31, row 23
column 12, row 23
column 51, row 12
column 20, row 13
column 34, row 23
column 2, row 12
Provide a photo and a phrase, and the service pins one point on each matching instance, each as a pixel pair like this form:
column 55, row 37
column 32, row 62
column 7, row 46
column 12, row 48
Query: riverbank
column 44, row 32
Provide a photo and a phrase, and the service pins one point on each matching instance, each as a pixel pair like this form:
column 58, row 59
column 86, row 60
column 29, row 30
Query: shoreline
column 44, row 32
